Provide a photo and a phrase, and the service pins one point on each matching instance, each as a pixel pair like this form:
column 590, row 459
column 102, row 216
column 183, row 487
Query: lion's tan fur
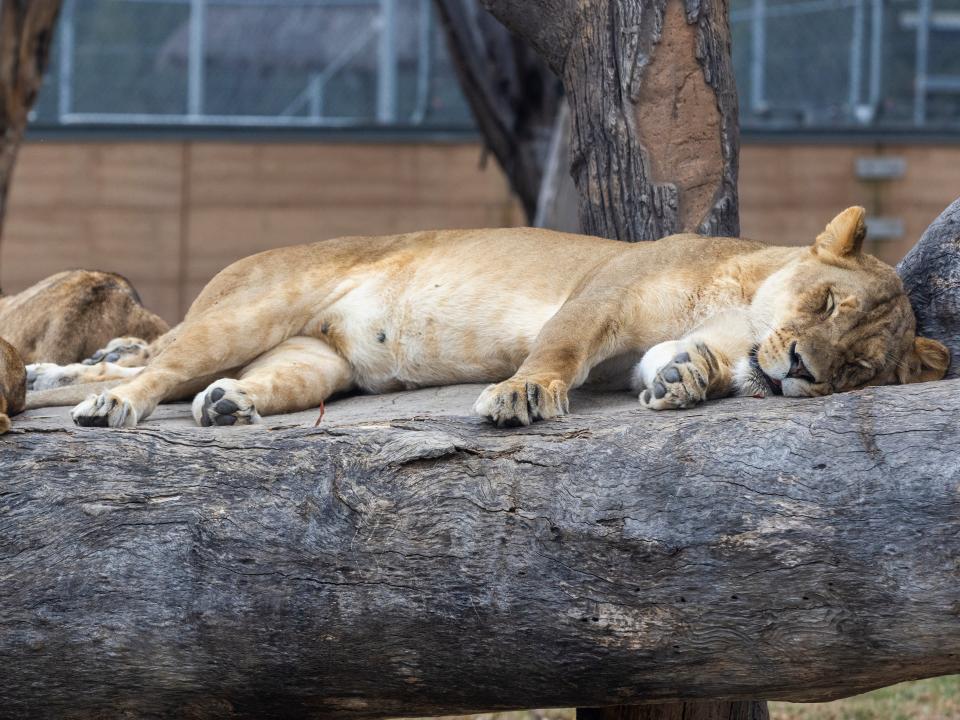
column 13, row 384
column 535, row 310
column 66, row 317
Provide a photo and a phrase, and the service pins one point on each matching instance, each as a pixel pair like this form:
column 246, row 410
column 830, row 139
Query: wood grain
column 407, row 558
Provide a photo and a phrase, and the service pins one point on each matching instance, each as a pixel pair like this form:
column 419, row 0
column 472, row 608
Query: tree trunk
column 26, row 35
column 513, row 94
column 406, row 558
column 655, row 140
column 931, row 275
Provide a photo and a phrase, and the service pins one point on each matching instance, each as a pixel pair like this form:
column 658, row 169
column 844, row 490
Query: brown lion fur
column 13, row 384
column 68, row 316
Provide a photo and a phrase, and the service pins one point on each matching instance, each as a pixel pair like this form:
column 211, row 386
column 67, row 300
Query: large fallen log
column 406, row 558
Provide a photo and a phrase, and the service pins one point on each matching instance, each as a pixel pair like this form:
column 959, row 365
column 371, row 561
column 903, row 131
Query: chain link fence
column 836, row 64
column 800, row 64
column 251, row 63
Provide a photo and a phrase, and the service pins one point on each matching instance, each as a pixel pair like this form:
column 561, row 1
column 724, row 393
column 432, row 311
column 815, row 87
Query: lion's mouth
column 760, row 378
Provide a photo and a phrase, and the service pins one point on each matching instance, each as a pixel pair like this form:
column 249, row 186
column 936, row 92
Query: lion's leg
column 701, row 365
column 47, row 376
column 125, row 351
column 585, row 331
column 207, row 345
column 298, row 374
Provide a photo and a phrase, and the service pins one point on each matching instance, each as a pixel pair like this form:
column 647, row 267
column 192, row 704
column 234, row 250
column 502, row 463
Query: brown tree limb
column 26, row 36
column 513, row 95
column 655, row 140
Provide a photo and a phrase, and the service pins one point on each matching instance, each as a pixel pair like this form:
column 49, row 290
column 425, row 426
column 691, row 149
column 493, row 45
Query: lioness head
column 838, row 319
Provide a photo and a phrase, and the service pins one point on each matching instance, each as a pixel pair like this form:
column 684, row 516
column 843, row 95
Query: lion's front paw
column 46, row 376
column 224, row 403
column 522, row 401
column 679, row 384
column 104, row 410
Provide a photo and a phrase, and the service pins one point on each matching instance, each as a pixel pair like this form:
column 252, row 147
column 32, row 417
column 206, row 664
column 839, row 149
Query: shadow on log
column 406, row 558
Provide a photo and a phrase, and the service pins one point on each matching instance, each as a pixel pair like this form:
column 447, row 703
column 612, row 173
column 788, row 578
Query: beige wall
column 169, row 215
column 789, row 192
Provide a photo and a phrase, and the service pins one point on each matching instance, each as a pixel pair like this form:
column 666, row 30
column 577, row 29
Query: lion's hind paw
column 104, row 410
column 224, row 403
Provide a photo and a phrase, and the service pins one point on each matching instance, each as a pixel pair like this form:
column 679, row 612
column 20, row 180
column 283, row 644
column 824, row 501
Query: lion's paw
column 104, row 410
column 121, row 348
column 46, row 376
column 224, row 403
column 517, row 402
column 678, row 384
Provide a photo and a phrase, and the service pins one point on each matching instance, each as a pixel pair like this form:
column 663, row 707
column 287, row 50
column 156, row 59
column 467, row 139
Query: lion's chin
column 752, row 381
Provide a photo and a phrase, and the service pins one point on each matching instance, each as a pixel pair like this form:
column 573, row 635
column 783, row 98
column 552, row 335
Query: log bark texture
column 406, row 558
column 655, row 140
column 26, row 36
column 931, row 275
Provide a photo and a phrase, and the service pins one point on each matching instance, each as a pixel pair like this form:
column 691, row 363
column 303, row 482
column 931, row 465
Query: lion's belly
column 401, row 335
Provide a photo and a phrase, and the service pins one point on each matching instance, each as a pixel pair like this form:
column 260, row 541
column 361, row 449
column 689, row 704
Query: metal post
column 856, row 56
column 316, row 96
column 423, row 63
column 758, row 56
column 65, row 75
column 387, row 60
column 196, row 57
column 876, row 52
column 923, row 46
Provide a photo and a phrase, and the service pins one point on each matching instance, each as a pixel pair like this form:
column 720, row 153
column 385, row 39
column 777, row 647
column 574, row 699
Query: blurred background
column 174, row 136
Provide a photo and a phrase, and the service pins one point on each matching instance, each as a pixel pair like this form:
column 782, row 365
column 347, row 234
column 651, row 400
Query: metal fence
column 800, row 64
column 251, row 63
column 848, row 63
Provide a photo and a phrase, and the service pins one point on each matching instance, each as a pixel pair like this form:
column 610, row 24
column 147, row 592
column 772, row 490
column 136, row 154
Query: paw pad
column 224, row 403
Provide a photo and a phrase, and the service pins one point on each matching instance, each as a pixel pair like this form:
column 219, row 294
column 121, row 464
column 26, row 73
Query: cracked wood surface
column 407, row 558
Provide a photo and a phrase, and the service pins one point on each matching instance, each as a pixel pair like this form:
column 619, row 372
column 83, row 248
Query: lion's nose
column 797, row 368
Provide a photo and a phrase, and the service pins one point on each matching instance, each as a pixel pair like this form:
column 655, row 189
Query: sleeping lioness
column 534, row 311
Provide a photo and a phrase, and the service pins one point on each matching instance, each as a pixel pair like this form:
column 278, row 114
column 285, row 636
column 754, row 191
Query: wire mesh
column 800, row 64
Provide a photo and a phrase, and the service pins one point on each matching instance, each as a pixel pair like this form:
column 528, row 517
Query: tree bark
column 406, row 558
column 931, row 275
column 655, row 140
column 26, row 36
column 513, row 94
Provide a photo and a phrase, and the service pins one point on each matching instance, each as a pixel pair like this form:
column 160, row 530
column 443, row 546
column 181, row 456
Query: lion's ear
column 844, row 234
column 926, row 360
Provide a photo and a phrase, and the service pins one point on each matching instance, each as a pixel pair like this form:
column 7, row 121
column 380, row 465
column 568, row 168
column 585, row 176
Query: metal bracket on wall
column 884, row 228
column 881, row 167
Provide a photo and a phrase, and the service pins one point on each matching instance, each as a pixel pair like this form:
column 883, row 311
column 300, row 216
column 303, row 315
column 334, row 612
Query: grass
column 934, row 699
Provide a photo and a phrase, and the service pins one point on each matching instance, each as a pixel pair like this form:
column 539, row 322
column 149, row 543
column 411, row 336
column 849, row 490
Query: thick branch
column 513, row 95
column 26, row 36
column 548, row 25
column 406, row 558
